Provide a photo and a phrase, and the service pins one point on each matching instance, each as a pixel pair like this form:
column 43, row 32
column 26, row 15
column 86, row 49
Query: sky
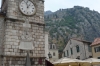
column 55, row 5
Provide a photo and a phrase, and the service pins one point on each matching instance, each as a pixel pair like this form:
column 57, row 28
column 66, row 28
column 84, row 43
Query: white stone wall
column 84, row 53
column 56, row 57
column 46, row 46
column 53, row 49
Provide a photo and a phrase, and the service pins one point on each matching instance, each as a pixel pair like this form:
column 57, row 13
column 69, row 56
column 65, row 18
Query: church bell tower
column 22, row 32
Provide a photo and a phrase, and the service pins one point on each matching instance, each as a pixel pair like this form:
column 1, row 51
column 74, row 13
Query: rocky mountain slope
column 78, row 22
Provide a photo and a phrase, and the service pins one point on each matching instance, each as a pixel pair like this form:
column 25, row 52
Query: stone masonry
column 13, row 30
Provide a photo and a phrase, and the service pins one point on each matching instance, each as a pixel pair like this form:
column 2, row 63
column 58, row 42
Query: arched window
column 77, row 48
column 50, row 46
column 53, row 46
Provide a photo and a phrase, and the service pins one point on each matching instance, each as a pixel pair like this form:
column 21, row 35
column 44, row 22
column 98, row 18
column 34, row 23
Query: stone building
column 22, row 30
column 77, row 49
column 50, row 49
column 96, row 48
column 54, row 52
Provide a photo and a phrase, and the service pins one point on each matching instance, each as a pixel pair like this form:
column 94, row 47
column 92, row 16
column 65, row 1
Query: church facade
column 22, row 31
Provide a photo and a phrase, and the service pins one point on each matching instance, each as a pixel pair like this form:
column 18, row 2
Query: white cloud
column 54, row 5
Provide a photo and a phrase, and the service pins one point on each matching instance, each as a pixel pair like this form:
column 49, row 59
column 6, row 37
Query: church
column 22, row 33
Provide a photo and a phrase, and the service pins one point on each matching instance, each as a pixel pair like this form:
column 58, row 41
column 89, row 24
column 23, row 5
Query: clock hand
column 26, row 3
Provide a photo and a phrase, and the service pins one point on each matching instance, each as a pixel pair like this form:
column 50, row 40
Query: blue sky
column 55, row 5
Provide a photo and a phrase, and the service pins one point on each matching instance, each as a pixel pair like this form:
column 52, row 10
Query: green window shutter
column 64, row 54
column 67, row 53
column 71, row 51
column 77, row 48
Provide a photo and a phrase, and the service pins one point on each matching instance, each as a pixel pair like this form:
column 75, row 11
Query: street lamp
column 49, row 55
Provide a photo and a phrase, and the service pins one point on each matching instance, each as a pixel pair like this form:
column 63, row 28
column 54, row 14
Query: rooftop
column 96, row 42
column 81, row 40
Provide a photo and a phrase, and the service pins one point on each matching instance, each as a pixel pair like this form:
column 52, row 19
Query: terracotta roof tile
column 96, row 42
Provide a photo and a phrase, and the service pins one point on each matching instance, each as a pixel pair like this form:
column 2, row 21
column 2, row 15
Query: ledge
column 18, row 56
column 14, row 20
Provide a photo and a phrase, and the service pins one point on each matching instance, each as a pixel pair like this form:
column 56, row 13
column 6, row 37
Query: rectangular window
column 67, row 53
column 98, row 57
column 97, row 49
column 77, row 48
column 50, row 46
column 53, row 53
column 64, row 54
column 94, row 49
column 71, row 51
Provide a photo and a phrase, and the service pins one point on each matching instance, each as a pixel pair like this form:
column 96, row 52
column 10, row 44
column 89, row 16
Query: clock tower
column 22, row 32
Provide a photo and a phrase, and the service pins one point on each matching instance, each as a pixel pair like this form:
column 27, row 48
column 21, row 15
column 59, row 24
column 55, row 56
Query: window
column 50, row 46
column 53, row 46
column 71, row 51
column 98, row 57
column 64, row 54
column 77, row 48
column 70, row 42
column 89, row 48
column 90, row 57
column 97, row 49
column 54, row 54
column 67, row 53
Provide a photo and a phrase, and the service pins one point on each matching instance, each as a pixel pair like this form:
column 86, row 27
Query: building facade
column 46, row 46
column 54, row 52
column 96, row 48
column 77, row 49
column 22, row 30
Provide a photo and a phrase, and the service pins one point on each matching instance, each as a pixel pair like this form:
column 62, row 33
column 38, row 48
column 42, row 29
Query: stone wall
column 14, row 12
column 14, row 31
column 1, row 37
column 1, row 33
column 20, row 61
column 12, row 40
column 14, row 25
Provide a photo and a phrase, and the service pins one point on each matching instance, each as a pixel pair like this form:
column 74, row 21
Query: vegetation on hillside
column 78, row 22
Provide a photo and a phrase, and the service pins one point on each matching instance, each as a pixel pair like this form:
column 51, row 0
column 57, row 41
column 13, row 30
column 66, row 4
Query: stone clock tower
column 22, row 31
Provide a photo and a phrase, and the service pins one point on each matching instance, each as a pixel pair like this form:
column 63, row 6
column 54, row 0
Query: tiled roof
column 81, row 40
column 96, row 42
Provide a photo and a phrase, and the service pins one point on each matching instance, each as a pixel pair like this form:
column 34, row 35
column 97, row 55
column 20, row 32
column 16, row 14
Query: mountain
column 78, row 22
column 48, row 12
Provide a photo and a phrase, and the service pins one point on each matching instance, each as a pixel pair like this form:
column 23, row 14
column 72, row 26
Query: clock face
column 27, row 7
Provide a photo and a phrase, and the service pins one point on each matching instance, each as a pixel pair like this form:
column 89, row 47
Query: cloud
column 54, row 5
